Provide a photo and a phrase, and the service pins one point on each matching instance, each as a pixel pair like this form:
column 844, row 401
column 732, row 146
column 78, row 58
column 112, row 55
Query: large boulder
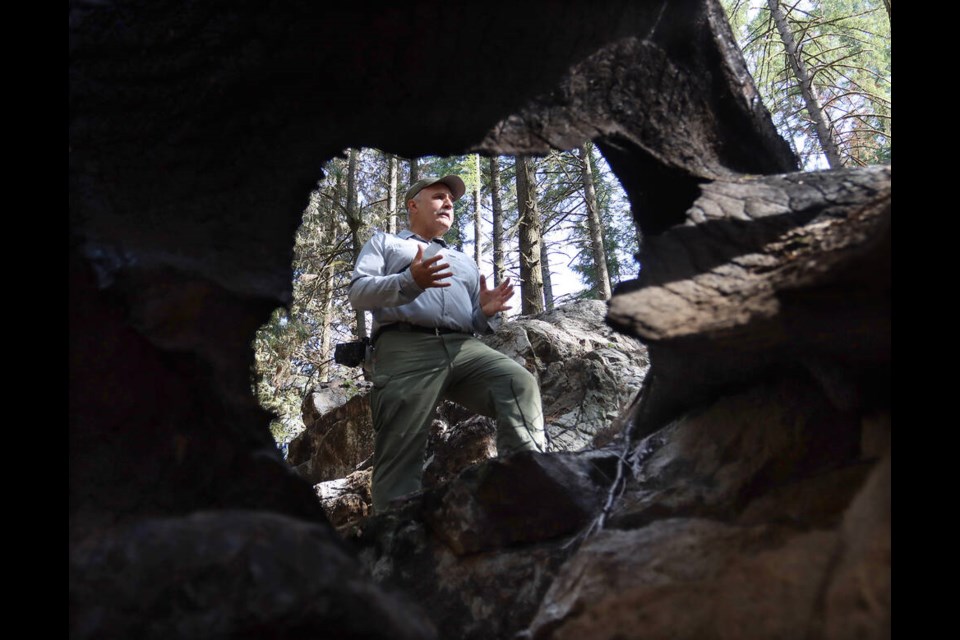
column 480, row 551
column 713, row 460
column 704, row 578
column 229, row 574
column 333, row 444
column 587, row 371
column 689, row 578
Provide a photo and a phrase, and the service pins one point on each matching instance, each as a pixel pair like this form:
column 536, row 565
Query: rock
column 526, row 497
column 588, row 373
column 229, row 574
column 876, row 433
column 482, row 596
column 815, row 501
column 333, row 444
column 346, row 500
column 857, row 599
column 453, row 449
column 325, row 398
column 713, row 460
column 767, row 274
column 689, row 578
column 480, row 551
column 681, row 578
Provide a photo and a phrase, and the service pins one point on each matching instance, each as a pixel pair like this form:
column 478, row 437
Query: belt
column 406, row 326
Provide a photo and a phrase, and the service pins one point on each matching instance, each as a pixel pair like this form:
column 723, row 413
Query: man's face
column 431, row 211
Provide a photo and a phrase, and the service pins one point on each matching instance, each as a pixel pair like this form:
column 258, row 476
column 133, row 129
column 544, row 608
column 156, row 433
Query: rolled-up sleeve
column 482, row 324
column 370, row 288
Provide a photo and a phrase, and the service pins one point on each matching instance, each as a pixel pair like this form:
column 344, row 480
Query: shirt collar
column 406, row 233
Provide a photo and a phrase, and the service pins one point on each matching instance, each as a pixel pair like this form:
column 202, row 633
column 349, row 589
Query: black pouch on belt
column 351, row 354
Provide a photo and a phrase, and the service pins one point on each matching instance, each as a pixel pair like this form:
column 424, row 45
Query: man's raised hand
column 427, row 273
column 495, row 300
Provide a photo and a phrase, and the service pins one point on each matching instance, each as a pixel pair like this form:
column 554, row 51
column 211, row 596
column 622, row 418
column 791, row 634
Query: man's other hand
column 495, row 300
column 427, row 273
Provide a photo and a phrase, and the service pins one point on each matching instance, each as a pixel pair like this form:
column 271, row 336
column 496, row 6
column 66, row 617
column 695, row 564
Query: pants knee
column 525, row 383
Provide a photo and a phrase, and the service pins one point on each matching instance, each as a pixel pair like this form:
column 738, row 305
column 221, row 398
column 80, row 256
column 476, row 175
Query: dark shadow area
column 659, row 194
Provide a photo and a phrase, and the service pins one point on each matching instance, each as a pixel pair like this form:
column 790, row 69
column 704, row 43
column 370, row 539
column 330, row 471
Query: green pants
column 413, row 371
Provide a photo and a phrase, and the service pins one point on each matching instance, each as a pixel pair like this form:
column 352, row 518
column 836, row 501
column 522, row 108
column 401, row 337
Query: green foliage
column 565, row 216
column 275, row 348
column 845, row 46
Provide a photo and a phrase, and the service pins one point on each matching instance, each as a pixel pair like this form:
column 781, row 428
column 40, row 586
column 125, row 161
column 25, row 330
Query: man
column 427, row 301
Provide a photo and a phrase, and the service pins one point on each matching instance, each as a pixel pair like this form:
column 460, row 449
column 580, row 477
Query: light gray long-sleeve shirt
column 383, row 284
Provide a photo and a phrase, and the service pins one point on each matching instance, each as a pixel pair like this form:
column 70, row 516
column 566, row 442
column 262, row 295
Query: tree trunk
column 414, row 171
column 458, row 234
column 327, row 274
column 531, row 274
column 596, row 227
column 392, row 194
column 497, row 207
column 824, row 134
column 353, row 219
column 477, row 219
column 547, row 278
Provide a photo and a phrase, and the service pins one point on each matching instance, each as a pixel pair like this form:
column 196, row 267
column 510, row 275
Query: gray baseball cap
column 455, row 183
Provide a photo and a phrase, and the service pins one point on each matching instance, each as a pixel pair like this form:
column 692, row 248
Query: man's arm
column 371, row 287
column 488, row 303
